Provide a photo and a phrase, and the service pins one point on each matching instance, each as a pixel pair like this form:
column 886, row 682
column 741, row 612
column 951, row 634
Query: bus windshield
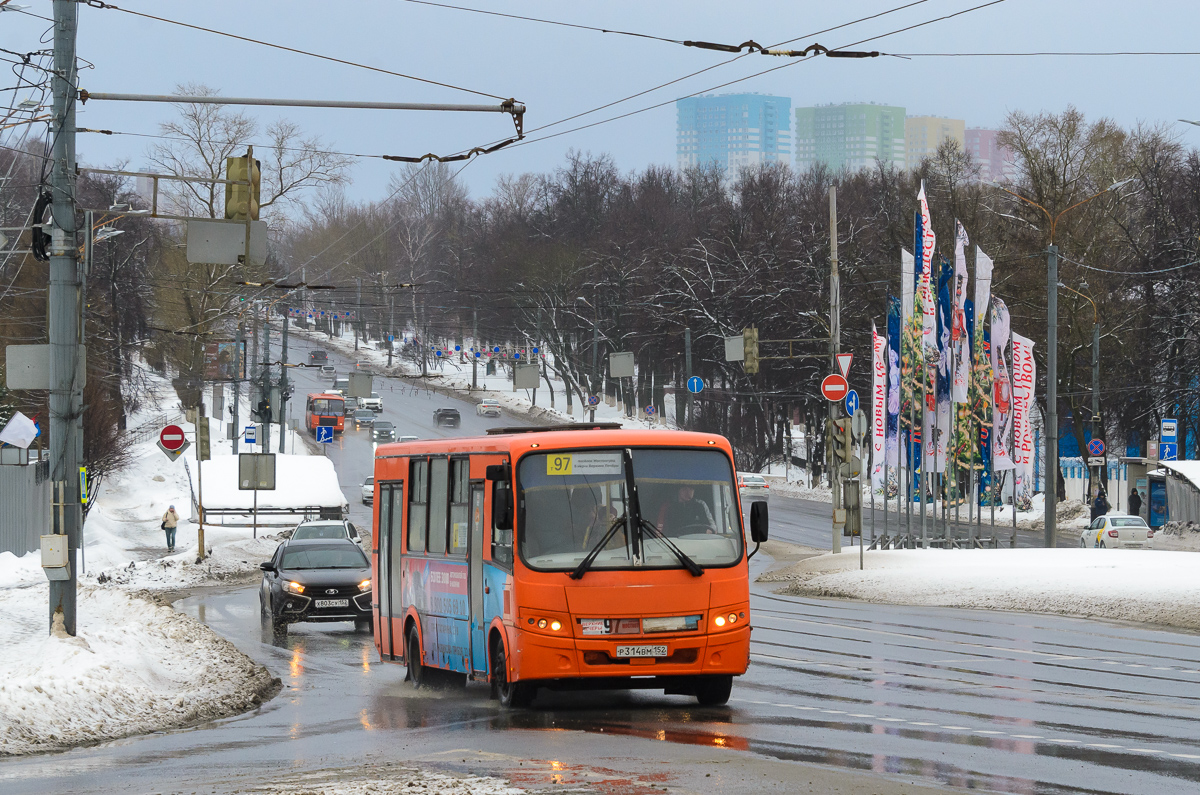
column 328, row 407
column 569, row 501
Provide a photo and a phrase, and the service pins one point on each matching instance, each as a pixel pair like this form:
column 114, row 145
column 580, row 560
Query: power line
column 99, row 4
column 529, row 141
column 1035, row 54
column 544, row 21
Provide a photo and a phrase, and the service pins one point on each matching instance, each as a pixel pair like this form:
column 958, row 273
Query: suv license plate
column 331, row 603
column 641, row 651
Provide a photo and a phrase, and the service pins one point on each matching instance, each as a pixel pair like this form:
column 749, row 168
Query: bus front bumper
column 542, row 656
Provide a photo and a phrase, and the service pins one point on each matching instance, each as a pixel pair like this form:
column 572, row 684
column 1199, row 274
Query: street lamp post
column 1052, row 360
column 1096, row 424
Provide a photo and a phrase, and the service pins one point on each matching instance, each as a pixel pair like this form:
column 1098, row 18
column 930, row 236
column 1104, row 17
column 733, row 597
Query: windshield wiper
column 586, row 563
column 688, row 563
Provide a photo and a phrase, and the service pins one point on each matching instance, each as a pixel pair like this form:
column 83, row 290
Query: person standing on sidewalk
column 170, row 520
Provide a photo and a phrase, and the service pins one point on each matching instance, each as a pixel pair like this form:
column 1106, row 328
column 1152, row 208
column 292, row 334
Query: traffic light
column 202, row 439
column 263, row 412
column 750, row 347
column 841, row 440
column 239, row 200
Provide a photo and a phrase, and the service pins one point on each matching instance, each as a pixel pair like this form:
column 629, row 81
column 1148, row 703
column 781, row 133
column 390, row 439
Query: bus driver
column 686, row 514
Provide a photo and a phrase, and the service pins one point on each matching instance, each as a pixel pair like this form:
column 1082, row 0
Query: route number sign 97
column 558, row 465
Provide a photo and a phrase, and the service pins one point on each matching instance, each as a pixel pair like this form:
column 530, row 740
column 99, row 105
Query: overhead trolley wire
column 285, row 48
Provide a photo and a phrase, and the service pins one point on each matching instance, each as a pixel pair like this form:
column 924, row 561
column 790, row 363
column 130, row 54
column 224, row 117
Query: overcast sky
column 559, row 71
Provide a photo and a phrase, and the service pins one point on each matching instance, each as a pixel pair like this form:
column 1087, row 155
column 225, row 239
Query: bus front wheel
column 416, row 671
column 713, row 691
column 510, row 694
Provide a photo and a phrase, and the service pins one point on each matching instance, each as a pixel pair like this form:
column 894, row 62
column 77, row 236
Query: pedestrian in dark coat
column 1135, row 503
column 1100, row 506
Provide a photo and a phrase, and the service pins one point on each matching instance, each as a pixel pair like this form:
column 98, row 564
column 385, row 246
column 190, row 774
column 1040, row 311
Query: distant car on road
column 326, row 528
column 317, row 356
column 362, row 367
column 328, row 369
column 363, row 417
column 1118, row 531
column 449, row 417
column 489, row 407
column 341, row 384
column 316, row 579
column 368, row 490
column 374, row 403
column 383, row 431
column 753, row 488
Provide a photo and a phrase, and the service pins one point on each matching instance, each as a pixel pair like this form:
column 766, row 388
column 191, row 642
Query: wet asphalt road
column 879, row 695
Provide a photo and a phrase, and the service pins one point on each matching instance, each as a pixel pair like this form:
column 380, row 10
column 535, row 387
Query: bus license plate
column 332, row 603
column 642, row 651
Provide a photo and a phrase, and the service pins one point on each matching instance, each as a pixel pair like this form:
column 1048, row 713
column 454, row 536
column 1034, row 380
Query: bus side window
column 439, row 505
column 460, row 472
column 418, row 503
column 502, row 540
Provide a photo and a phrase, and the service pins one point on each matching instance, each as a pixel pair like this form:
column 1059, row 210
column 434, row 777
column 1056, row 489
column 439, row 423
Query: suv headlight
column 365, row 585
column 294, row 587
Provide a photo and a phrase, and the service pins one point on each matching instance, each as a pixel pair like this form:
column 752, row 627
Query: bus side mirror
column 502, row 505
column 758, row 522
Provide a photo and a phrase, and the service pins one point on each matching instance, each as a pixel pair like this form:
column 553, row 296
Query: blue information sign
column 851, row 402
column 695, row 385
column 251, row 436
column 325, row 434
column 1168, row 440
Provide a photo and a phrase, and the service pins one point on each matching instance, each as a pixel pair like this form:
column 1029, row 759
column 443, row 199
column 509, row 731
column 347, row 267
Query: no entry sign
column 172, row 438
column 834, row 387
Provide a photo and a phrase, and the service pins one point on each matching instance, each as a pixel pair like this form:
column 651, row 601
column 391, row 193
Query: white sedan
column 488, row 407
column 368, row 490
column 753, row 488
column 1118, row 531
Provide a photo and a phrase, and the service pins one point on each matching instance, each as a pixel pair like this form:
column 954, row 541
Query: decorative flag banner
column 893, row 383
column 879, row 401
column 928, row 242
column 981, row 381
column 1002, row 391
column 1024, row 375
column 907, row 285
column 944, row 311
column 960, row 366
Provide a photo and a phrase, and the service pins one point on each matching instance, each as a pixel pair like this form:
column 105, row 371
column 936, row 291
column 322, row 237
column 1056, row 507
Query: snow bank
column 1149, row 586
column 134, row 667
column 385, row 780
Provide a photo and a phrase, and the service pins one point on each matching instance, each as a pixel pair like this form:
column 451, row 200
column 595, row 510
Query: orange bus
column 569, row 557
column 325, row 409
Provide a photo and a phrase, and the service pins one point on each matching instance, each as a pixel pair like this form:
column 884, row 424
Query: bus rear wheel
column 510, row 694
column 713, row 691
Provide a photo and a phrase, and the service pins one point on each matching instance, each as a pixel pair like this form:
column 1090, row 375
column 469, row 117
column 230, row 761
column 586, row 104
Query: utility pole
column 687, row 371
column 391, row 325
column 64, row 305
column 1051, row 398
column 358, row 312
column 1097, row 424
column 265, row 442
column 595, row 391
column 238, row 367
column 475, row 345
column 283, row 385
column 835, row 347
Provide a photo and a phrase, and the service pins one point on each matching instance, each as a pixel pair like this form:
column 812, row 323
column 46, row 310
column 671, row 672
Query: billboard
column 219, row 361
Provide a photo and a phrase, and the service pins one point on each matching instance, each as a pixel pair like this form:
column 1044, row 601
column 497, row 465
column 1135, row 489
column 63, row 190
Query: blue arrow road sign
column 324, row 434
column 695, row 385
column 851, row 402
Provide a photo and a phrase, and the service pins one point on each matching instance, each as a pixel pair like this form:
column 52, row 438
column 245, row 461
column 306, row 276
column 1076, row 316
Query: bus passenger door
column 478, row 639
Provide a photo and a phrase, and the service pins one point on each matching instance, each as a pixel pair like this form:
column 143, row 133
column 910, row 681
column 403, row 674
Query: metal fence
column 25, row 497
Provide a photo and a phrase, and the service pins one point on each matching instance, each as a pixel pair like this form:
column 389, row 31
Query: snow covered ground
column 1148, row 586
column 385, row 780
column 133, row 667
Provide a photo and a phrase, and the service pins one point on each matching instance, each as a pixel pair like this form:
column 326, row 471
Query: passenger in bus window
column 686, row 515
column 587, row 518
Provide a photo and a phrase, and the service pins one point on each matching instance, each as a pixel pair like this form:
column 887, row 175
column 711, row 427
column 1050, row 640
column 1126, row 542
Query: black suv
column 316, row 579
column 318, row 357
column 449, row 417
